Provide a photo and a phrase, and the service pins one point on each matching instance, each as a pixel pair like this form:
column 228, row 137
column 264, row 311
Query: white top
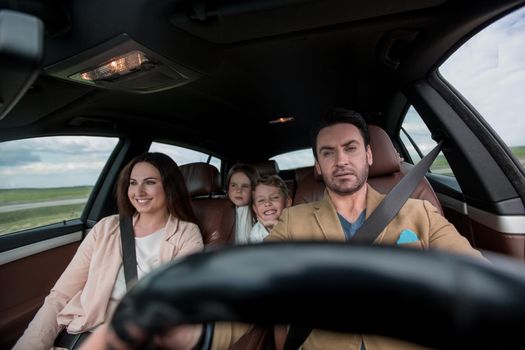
column 258, row 233
column 148, row 257
column 243, row 224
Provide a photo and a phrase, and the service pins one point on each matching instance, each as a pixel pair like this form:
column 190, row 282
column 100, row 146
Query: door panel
column 26, row 282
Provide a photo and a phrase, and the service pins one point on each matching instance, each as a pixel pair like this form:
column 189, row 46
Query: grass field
column 29, row 195
column 28, row 218
column 519, row 152
column 22, row 219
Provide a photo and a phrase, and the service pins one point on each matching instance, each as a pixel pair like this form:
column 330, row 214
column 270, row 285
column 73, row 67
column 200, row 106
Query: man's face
column 342, row 158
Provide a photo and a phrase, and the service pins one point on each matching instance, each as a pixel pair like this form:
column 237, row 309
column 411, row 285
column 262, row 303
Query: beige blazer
column 319, row 221
column 79, row 299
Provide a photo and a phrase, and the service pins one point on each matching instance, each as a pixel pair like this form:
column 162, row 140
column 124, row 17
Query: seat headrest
column 269, row 167
column 201, row 179
column 386, row 158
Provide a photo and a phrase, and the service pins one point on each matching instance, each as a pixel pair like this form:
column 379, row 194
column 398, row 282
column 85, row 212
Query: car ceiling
column 253, row 61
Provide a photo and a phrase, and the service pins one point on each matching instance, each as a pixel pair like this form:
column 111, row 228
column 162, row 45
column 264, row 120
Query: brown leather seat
column 215, row 213
column 386, row 171
column 269, row 167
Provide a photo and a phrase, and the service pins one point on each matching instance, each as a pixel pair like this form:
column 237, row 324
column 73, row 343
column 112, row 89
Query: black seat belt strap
column 129, row 258
column 376, row 222
column 394, row 200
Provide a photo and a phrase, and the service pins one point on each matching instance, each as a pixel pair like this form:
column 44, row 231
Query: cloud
column 489, row 71
column 16, row 157
column 46, row 162
column 52, row 168
column 295, row 159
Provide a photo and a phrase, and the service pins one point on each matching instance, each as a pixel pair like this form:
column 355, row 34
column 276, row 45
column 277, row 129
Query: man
column 341, row 147
column 343, row 157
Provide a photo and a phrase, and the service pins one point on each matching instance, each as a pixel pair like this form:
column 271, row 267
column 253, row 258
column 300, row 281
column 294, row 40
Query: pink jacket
column 80, row 297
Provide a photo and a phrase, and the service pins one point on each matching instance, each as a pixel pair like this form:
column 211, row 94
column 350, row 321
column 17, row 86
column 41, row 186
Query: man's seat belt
column 375, row 224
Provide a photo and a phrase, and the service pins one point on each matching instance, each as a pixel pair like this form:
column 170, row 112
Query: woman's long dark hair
column 177, row 197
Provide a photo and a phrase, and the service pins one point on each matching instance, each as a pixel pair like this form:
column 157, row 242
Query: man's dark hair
column 337, row 116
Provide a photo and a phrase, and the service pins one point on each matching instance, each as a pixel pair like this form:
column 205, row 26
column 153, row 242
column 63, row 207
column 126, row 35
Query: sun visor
column 21, row 52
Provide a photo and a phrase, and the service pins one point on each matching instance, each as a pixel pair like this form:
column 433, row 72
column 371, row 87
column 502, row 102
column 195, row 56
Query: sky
column 489, row 70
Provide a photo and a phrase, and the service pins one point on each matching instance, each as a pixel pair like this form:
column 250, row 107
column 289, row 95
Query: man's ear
column 369, row 157
column 317, row 170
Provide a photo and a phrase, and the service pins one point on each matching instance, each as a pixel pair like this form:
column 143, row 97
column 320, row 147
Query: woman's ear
column 288, row 202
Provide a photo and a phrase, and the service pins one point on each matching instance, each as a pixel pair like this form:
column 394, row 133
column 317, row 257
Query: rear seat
column 215, row 213
column 386, row 171
column 270, row 167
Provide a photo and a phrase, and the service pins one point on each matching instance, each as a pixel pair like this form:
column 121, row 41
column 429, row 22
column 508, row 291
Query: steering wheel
column 432, row 298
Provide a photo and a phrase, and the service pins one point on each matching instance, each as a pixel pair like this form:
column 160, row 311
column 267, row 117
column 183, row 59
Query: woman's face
column 240, row 189
column 145, row 190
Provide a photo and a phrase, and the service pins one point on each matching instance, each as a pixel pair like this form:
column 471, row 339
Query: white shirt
column 258, row 233
column 148, row 257
column 243, row 224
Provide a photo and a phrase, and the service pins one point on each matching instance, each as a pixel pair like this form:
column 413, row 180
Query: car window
column 489, row 71
column 418, row 142
column 183, row 155
column 295, row 159
column 48, row 180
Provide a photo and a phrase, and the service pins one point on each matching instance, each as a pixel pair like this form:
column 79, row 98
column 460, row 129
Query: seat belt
column 374, row 225
column 394, row 200
column 129, row 258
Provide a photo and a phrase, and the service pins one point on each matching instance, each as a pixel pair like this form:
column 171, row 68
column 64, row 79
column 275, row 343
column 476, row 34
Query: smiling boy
column 270, row 197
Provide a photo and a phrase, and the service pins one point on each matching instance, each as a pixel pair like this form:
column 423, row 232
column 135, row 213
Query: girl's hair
column 177, row 197
column 274, row 181
column 246, row 169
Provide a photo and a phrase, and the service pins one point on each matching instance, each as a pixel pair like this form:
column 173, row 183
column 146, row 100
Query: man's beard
column 347, row 187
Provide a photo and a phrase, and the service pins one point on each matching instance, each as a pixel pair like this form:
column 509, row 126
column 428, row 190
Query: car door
column 52, row 191
column 474, row 102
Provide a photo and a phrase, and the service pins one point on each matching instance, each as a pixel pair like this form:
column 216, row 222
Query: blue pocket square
column 407, row 236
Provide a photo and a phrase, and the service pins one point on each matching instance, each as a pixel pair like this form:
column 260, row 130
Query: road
column 15, row 207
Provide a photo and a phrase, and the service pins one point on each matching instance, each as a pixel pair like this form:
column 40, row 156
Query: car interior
column 244, row 81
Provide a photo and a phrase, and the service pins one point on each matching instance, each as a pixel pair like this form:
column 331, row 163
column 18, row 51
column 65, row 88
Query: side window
column 489, row 71
column 418, row 142
column 295, row 159
column 48, row 180
column 183, row 155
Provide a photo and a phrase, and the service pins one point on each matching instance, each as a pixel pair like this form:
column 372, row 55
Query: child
column 270, row 197
column 241, row 182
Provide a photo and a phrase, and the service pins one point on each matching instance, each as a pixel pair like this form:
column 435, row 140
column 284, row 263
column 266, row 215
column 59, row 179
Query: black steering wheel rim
column 431, row 298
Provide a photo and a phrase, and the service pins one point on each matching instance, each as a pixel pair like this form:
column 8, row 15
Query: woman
column 152, row 191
